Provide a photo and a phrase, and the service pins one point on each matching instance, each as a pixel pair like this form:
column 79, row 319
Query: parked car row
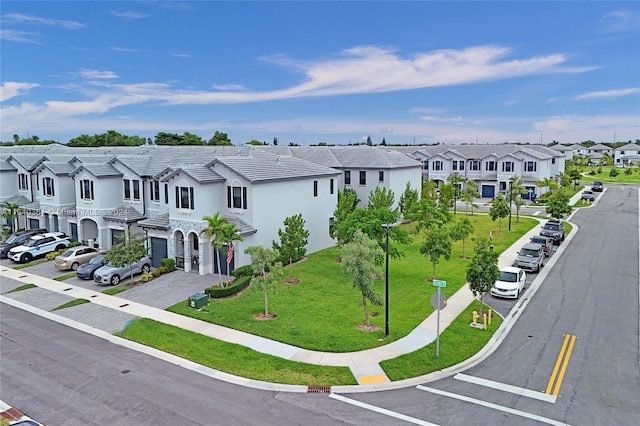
column 89, row 263
column 531, row 257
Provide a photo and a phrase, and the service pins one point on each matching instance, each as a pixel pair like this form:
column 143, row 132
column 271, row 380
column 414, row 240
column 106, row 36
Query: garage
column 158, row 250
column 488, row 191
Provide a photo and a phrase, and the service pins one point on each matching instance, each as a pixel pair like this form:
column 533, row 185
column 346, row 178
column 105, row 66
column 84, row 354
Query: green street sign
column 439, row 283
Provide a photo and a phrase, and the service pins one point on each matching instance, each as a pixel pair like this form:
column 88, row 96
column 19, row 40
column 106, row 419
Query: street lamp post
column 510, row 200
column 386, row 226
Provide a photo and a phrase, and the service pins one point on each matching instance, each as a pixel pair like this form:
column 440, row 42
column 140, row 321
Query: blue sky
column 335, row 72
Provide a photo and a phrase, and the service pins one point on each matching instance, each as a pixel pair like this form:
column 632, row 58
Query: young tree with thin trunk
column 228, row 235
column 293, row 241
column 436, row 245
column 267, row 271
column 499, row 210
column 516, row 189
column 469, row 194
column 483, row 270
column 127, row 252
column 460, row 231
column 360, row 258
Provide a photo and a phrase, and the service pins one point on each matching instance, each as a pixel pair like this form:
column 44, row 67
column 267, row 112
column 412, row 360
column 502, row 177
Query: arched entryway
column 179, row 249
column 88, row 231
column 194, row 252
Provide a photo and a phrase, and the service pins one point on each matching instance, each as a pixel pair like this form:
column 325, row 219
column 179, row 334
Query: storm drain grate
column 318, row 389
column 23, row 276
column 125, row 305
column 67, row 289
column 94, row 295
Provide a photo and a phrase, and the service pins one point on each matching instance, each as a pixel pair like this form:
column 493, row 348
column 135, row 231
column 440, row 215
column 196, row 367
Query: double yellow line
column 561, row 364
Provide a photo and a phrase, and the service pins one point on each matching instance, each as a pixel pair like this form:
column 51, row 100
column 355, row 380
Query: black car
column 86, row 270
column 597, row 186
column 18, row 239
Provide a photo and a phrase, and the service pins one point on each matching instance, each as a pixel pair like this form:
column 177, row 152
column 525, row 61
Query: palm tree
column 214, row 231
column 10, row 212
column 547, row 182
column 229, row 234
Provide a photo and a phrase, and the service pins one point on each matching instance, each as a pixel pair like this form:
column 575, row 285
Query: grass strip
column 65, row 276
column 32, row 263
column 22, row 287
column 232, row 358
column 458, row 342
column 115, row 290
column 70, row 303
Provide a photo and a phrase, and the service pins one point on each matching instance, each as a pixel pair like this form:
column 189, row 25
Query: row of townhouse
column 622, row 156
column 490, row 166
column 96, row 194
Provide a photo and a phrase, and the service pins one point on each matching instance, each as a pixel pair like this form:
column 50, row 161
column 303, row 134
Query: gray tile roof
column 201, row 174
column 243, row 227
column 28, row 161
column 98, row 170
column 20, row 200
column 157, row 222
column 56, row 168
column 262, row 166
column 124, row 214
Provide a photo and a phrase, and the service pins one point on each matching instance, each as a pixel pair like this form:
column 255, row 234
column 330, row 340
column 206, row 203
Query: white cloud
column 12, row 89
column 30, row 19
column 620, row 20
column 19, row 36
column 616, row 93
column 128, row 14
column 95, row 74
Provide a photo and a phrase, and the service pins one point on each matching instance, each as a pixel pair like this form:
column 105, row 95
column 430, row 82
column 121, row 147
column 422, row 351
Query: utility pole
column 510, row 200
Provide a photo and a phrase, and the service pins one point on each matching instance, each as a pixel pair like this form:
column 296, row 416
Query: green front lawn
column 633, row 178
column 323, row 311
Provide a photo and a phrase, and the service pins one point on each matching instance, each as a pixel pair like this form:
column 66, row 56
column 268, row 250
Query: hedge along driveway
column 323, row 311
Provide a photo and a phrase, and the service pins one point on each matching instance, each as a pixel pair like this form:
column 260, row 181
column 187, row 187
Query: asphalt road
column 591, row 293
column 64, row 377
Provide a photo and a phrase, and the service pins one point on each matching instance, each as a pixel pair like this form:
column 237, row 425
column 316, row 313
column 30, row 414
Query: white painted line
column 494, row 406
column 536, row 213
column 506, row 388
column 381, row 410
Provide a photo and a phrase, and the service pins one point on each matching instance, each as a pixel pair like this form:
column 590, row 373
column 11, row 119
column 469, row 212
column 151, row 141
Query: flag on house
column 230, row 254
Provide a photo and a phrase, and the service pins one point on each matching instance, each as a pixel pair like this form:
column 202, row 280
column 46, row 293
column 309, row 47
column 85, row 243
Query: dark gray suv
column 553, row 229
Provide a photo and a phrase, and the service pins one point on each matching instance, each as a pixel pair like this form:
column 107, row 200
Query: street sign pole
column 439, row 284
column 438, row 328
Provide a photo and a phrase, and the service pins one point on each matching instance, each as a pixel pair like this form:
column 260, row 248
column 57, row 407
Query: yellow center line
column 557, row 366
column 556, row 391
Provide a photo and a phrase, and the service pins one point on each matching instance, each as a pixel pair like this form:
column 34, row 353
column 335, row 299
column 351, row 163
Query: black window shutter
column 44, row 188
column 191, row 197
column 177, row 197
column 91, row 182
column 228, row 196
column 53, row 191
column 244, row 197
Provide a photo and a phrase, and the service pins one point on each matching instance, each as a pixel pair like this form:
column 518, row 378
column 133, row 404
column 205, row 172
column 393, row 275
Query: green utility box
column 198, row 301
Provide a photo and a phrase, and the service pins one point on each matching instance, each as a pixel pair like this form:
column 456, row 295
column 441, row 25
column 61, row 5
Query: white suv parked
column 39, row 245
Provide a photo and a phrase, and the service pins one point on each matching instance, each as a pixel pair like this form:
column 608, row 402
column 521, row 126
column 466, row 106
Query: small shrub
column 243, row 271
column 158, row 271
column 613, row 172
column 147, row 276
column 628, row 172
column 53, row 254
column 592, row 172
column 169, row 265
column 74, row 244
column 219, row 292
column 599, row 171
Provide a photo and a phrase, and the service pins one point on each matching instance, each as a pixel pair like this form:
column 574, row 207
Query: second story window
column 127, row 189
column 363, row 177
column 315, row 188
column 237, row 197
column 184, row 197
column 437, row 165
column 128, row 186
column 86, row 189
column 425, row 165
column 347, row 177
column 47, row 187
column 475, row 165
column 461, row 163
column 490, row 166
column 23, row 181
column 454, row 165
column 530, row 166
column 507, row 166
column 154, row 190
column 166, row 193
column 381, row 176
column 331, row 186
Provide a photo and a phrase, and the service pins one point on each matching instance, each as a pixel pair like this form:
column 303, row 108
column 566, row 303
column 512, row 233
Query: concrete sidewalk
column 363, row 364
